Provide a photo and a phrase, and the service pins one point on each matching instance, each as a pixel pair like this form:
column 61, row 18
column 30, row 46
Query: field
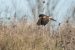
column 26, row 37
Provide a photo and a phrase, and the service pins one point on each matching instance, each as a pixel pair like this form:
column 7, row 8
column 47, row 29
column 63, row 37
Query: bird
column 44, row 19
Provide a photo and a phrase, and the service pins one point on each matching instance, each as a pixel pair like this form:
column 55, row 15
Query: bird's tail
column 53, row 19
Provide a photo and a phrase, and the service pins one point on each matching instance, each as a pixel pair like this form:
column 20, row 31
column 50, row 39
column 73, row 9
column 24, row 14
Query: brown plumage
column 44, row 19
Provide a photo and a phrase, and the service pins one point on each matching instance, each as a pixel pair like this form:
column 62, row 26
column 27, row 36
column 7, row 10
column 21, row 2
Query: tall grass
column 32, row 37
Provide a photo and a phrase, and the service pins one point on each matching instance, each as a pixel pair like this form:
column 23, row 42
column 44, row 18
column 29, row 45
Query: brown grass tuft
column 24, row 37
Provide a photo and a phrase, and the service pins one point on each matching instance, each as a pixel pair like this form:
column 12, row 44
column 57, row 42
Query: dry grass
column 24, row 37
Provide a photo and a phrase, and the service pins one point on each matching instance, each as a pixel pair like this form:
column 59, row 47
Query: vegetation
column 32, row 37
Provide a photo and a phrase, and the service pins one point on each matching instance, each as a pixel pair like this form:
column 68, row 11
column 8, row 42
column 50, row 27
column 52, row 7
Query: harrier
column 44, row 19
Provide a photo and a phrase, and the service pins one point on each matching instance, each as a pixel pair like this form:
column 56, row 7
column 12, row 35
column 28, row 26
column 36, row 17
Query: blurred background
column 18, row 29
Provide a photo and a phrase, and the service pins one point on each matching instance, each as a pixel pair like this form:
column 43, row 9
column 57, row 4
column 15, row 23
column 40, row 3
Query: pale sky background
column 58, row 8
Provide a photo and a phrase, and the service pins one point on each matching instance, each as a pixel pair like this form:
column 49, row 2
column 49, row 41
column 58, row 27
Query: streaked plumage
column 44, row 19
